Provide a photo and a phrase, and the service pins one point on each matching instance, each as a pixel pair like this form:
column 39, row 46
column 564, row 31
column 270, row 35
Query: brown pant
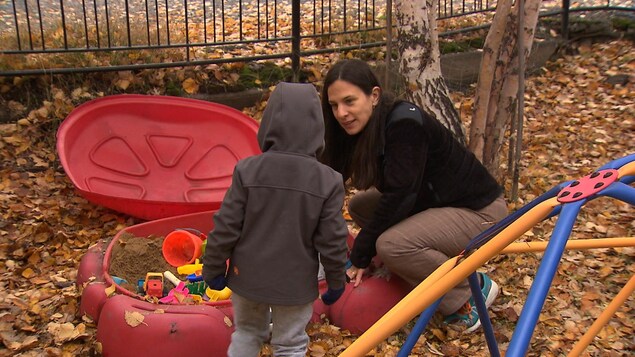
column 418, row 245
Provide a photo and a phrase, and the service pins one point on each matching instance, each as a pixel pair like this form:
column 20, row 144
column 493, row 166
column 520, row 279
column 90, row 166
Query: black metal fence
column 78, row 36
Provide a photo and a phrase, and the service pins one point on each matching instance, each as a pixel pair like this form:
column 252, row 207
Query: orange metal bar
column 604, row 318
column 524, row 247
column 426, row 293
column 425, row 285
column 628, row 169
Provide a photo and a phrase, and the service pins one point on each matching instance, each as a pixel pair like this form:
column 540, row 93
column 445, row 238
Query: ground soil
column 133, row 257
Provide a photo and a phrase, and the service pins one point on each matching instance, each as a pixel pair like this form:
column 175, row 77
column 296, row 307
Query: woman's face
column 351, row 106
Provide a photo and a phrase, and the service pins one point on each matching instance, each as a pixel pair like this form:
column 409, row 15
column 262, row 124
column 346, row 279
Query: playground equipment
column 566, row 200
column 154, row 156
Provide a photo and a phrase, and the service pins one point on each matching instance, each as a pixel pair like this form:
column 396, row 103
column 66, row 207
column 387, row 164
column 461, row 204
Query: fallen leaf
column 28, row 273
column 110, row 291
column 190, row 86
column 66, row 331
column 134, row 318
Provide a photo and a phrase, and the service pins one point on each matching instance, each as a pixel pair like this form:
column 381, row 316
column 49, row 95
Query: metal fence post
column 295, row 39
column 565, row 19
column 388, row 43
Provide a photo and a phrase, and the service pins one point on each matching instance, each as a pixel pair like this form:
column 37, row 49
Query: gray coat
column 283, row 209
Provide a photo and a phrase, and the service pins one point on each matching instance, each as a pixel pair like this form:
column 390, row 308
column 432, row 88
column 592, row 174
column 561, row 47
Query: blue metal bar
column 620, row 191
column 418, row 329
column 542, row 282
column 481, row 308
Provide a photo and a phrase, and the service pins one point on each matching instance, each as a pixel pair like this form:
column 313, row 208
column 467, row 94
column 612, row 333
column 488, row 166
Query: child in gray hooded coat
column 282, row 211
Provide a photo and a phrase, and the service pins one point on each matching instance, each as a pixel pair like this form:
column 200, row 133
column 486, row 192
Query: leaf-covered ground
column 579, row 115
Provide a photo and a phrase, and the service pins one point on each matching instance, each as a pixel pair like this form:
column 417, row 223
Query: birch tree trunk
column 495, row 104
column 419, row 62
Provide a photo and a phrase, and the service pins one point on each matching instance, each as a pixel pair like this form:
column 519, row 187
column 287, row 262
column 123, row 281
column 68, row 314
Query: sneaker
column 489, row 289
column 467, row 314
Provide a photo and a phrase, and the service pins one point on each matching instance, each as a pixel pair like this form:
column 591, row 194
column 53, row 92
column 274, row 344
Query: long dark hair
column 355, row 156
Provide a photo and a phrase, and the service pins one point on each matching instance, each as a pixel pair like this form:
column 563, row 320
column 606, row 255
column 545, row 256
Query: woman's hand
column 355, row 275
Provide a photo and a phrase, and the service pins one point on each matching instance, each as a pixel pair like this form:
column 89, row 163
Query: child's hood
column 292, row 120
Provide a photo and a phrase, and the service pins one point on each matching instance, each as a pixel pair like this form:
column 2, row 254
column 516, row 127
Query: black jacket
column 423, row 166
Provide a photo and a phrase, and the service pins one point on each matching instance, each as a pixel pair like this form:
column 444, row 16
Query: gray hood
column 292, row 120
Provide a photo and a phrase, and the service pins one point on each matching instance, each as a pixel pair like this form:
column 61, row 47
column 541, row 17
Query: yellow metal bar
column 426, row 293
column 524, row 247
column 604, row 318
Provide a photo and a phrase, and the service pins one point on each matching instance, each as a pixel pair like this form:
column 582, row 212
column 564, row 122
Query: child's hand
column 217, row 283
column 331, row 295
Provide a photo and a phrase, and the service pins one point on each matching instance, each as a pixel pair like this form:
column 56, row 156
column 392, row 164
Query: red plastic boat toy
column 154, row 156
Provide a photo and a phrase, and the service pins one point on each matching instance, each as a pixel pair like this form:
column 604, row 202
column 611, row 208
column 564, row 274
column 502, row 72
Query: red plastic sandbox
column 176, row 329
column 154, row 156
column 167, row 329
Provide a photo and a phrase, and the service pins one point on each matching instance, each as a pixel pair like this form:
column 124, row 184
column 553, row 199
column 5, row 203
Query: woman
column 423, row 195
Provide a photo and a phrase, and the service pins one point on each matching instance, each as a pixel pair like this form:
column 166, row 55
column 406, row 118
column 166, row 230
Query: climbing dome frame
column 565, row 201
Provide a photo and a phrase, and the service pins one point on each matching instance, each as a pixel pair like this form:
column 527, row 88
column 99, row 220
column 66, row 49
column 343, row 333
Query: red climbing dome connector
column 588, row 185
